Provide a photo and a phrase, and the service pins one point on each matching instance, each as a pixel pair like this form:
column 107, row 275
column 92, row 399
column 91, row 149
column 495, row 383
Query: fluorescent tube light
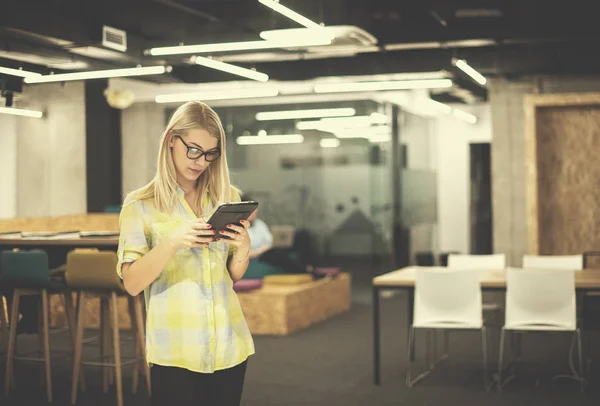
column 329, row 143
column 21, row 112
column 18, row 72
column 236, row 70
column 300, row 19
column 269, row 139
column 241, row 46
column 110, row 73
column 299, row 114
column 469, row 70
column 382, row 85
column 380, row 137
column 336, row 123
column 217, row 95
column 463, row 115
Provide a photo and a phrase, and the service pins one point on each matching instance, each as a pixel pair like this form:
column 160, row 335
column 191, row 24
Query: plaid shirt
column 194, row 319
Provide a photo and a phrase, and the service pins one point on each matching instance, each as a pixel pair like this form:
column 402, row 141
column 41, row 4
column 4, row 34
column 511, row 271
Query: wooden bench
column 283, row 309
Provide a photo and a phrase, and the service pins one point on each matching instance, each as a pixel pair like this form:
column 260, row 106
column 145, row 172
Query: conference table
column 403, row 279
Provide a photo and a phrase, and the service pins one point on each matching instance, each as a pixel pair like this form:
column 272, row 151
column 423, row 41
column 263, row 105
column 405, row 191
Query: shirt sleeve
column 133, row 243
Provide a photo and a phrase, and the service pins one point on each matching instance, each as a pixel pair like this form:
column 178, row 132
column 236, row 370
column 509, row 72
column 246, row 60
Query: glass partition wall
column 329, row 171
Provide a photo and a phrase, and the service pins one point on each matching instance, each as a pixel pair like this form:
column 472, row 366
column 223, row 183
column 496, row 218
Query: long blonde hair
column 214, row 183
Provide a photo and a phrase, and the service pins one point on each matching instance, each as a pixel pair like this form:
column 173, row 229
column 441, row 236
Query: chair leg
column 72, row 324
column 78, row 344
column 446, row 343
column 9, row 380
column 411, row 348
column 581, row 376
column 46, row 328
column 136, row 366
column 141, row 337
column 484, row 350
column 500, row 359
column 117, row 348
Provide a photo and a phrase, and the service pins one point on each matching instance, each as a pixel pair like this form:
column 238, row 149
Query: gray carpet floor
column 331, row 364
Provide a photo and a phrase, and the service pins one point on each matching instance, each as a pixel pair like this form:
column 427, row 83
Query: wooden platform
column 283, row 309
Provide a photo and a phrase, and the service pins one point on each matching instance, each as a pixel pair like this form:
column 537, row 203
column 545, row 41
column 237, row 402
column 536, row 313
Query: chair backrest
column 93, row 270
column 450, row 298
column 569, row 262
column 25, row 269
column 493, row 262
column 538, row 298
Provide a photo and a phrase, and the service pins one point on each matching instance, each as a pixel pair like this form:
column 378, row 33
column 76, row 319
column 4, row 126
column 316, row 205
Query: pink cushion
column 245, row 285
column 331, row 271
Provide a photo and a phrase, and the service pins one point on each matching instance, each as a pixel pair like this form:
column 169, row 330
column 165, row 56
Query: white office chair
column 540, row 300
column 569, row 262
column 493, row 262
column 492, row 302
column 444, row 300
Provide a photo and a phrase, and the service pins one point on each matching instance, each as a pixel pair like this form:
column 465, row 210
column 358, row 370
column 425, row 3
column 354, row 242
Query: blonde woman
column 197, row 340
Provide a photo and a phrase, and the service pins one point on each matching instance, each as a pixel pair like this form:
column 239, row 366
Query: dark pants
column 180, row 387
column 283, row 258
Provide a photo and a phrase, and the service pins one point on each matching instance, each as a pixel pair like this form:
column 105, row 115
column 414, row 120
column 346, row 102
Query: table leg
column 409, row 317
column 376, row 337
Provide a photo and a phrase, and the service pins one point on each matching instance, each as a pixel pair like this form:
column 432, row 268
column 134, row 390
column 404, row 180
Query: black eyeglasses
column 194, row 153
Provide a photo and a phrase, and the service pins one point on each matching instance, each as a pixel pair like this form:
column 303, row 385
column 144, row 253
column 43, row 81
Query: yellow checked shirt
column 194, row 319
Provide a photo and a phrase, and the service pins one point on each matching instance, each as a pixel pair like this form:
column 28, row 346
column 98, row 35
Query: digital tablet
column 231, row 213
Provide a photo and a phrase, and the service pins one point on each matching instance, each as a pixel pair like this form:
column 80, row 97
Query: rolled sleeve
column 133, row 243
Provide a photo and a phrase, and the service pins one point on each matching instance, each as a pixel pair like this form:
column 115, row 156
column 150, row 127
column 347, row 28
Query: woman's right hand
column 191, row 235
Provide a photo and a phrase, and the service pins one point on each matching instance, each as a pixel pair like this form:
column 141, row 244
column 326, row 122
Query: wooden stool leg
column 78, row 345
column 70, row 314
column 9, row 380
column 141, row 339
column 46, row 328
column 136, row 366
column 117, row 348
column 4, row 327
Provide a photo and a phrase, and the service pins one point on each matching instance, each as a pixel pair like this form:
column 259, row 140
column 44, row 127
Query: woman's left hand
column 238, row 236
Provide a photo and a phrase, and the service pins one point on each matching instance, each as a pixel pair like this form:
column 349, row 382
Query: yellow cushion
column 292, row 279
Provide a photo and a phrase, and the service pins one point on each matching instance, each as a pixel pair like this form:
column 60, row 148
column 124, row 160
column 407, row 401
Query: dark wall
column 103, row 148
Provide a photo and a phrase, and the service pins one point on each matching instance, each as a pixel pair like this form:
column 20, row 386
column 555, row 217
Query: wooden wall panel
column 563, row 184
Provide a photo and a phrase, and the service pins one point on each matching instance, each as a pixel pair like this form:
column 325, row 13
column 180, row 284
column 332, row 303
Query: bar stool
column 28, row 274
column 93, row 274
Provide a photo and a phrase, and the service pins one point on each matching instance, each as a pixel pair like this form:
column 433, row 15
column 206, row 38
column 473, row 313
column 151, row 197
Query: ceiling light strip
column 300, row 114
column 291, row 14
column 469, row 70
column 21, row 112
column 329, row 143
column 240, row 46
column 217, row 95
column 269, row 139
column 229, row 68
column 382, row 85
column 18, row 72
column 99, row 74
